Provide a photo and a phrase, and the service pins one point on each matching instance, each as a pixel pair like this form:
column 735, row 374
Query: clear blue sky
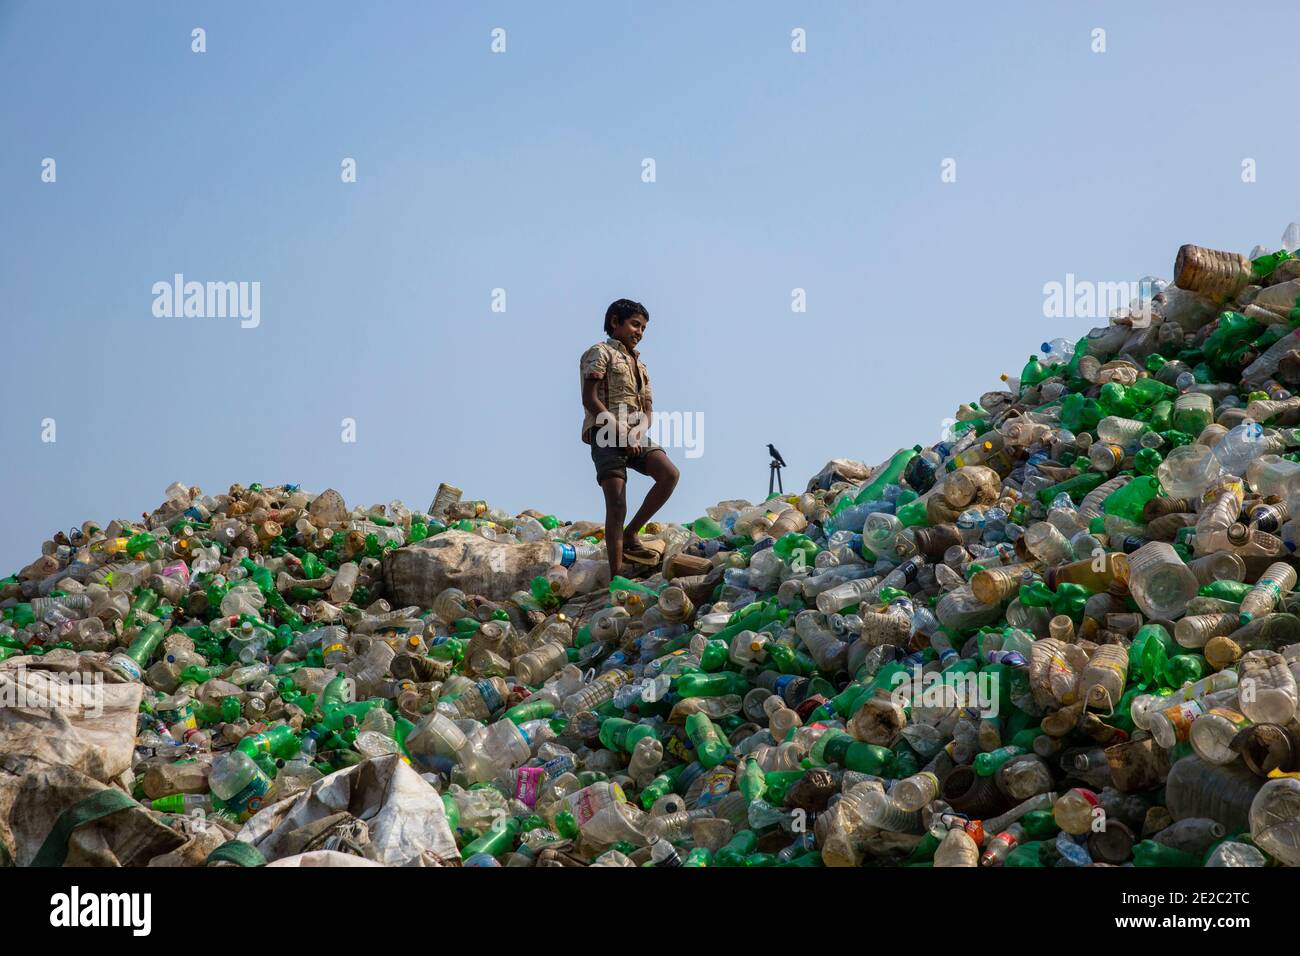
column 522, row 171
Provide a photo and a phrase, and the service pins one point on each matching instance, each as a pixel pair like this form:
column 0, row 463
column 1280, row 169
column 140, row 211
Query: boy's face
column 629, row 331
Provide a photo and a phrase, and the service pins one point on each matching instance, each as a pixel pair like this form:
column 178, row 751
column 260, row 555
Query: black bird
column 776, row 455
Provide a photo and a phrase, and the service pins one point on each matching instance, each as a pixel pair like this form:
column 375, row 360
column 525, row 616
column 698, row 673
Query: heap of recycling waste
column 1063, row 636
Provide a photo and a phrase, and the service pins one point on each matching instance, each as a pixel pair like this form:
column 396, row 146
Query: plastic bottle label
column 585, row 804
column 557, row 766
column 528, row 784
column 1234, row 717
column 491, row 699
column 1182, row 715
column 717, row 785
column 125, row 666
column 249, row 800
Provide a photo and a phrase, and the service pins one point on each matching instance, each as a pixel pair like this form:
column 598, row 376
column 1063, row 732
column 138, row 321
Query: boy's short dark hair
column 622, row 310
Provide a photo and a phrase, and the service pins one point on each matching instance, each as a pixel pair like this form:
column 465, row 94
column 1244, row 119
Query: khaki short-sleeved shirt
column 623, row 377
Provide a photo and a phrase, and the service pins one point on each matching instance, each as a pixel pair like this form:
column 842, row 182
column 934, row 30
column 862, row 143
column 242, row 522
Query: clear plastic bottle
column 344, row 583
column 1172, row 725
column 1142, row 708
column 1243, row 444
column 1073, row 810
column 1125, row 432
column 781, row 719
column 1232, row 853
column 597, row 692
column 1275, row 820
column 1267, row 687
column 238, row 782
column 1195, row 630
column 480, row 701
column 1001, row 845
column 535, row 666
column 878, row 810
column 1219, row 566
column 827, row 650
column 1220, row 509
column 449, row 605
column 1022, row 777
column 957, row 849
column 1188, row 470
column 1278, row 579
column 1192, row 835
column 1159, row 581
column 879, row 532
column 845, row 594
column 1198, row 789
column 915, row 792
column 1213, row 732
column 1048, row 544
column 1273, row 476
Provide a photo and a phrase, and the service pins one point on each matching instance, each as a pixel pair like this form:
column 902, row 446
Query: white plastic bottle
column 1275, row 820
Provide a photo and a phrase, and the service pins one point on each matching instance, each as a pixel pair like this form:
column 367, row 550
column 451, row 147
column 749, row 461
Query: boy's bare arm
column 590, row 401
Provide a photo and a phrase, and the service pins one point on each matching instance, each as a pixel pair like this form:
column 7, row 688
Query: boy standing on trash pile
column 618, row 403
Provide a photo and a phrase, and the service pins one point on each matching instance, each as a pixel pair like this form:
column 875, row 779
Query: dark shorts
column 613, row 462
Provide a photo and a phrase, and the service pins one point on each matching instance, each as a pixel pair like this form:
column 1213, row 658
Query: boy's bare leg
column 615, row 511
column 665, row 476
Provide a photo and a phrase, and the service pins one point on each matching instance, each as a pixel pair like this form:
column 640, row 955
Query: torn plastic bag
column 326, row 858
column 58, row 816
column 69, row 710
column 402, row 819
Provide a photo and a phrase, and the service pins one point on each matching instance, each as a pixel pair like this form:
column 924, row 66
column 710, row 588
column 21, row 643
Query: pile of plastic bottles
column 1063, row 636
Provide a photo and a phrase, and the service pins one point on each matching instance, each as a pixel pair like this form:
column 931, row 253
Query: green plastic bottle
column 715, row 657
column 710, row 746
column 1033, row 373
column 788, row 660
column 913, row 514
column 1076, row 487
column 538, row 709
column 499, row 838
column 1234, row 591
column 132, row 663
column 837, row 747
column 1079, row 413
column 1263, row 266
column 1151, row 853
column 699, row 684
column 1148, row 652
column 1026, row 854
column 1040, row 824
column 623, row 735
column 780, row 781
column 700, row 856
column 874, row 490
column 706, row 528
column 661, row 786
column 279, row 742
column 144, row 603
column 737, row 849
column 1184, row 668
column 987, row 764
column 1146, row 461
column 1128, row 502
column 1115, row 400
column 752, row 783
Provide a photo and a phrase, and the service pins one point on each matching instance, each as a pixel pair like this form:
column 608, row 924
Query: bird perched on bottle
column 776, row 455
